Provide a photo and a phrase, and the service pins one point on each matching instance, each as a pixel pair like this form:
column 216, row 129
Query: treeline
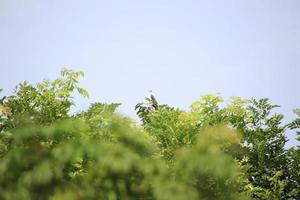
column 215, row 150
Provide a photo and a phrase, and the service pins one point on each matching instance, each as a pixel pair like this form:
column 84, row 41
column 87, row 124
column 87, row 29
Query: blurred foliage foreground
column 212, row 151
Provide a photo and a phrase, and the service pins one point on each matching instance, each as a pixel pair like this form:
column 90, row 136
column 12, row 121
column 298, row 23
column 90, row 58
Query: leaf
column 297, row 111
column 83, row 92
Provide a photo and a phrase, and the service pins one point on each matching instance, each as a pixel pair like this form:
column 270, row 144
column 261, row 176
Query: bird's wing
column 153, row 100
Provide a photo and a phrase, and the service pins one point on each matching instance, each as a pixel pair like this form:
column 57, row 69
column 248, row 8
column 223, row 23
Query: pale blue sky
column 180, row 49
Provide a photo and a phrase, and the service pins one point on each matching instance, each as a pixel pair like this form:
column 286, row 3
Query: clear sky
column 180, row 49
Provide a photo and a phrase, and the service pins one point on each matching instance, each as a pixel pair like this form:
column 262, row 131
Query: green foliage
column 294, row 159
column 43, row 103
column 99, row 117
column 63, row 161
column 206, row 167
column 263, row 158
column 214, row 150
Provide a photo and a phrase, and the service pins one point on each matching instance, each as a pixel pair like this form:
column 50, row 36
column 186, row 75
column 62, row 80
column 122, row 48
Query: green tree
column 43, row 103
column 214, row 150
column 294, row 160
column 262, row 155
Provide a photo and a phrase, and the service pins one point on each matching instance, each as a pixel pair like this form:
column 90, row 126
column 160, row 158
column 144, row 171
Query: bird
column 152, row 99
